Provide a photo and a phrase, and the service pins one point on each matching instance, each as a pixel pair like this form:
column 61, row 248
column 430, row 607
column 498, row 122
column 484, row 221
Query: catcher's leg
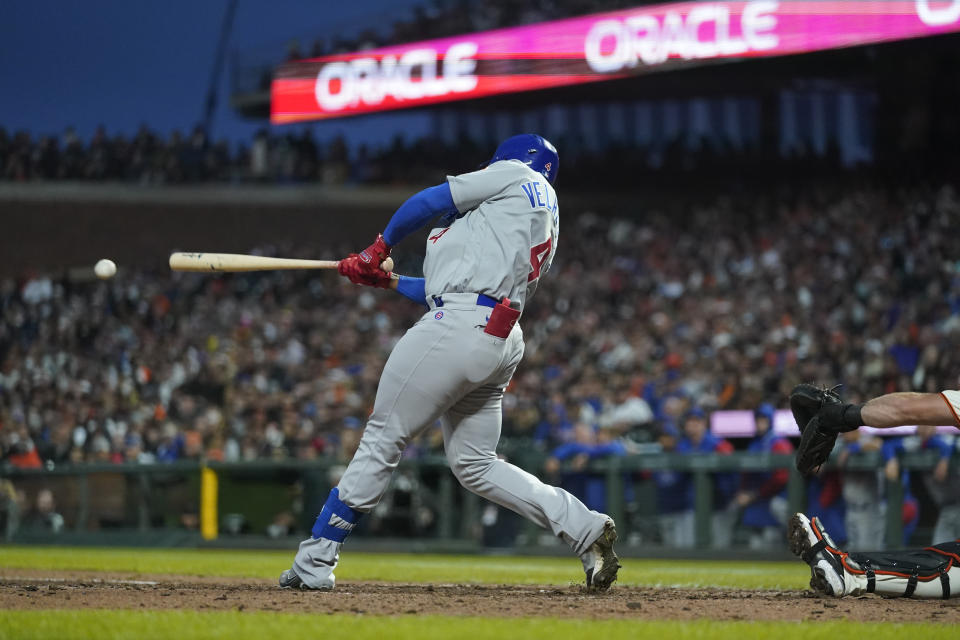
column 918, row 573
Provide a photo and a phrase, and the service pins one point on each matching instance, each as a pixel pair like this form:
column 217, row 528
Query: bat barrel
column 230, row 262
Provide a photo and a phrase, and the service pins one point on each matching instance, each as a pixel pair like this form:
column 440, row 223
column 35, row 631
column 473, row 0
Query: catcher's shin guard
column 918, row 573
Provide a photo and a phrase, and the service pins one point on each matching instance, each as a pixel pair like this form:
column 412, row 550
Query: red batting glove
column 371, row 257
column 355, row 270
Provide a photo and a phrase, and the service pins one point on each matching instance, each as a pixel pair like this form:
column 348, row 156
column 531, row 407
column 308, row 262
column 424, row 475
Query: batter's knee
column 471, row 471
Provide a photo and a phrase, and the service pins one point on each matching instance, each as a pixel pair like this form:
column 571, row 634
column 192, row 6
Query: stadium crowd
column 298, row 157
column 644, row 325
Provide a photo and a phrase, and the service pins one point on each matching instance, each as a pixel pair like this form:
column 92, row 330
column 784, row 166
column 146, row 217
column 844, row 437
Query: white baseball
column 105, row 268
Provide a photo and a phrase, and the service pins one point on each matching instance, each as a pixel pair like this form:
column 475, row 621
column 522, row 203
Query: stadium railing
column 176, row 504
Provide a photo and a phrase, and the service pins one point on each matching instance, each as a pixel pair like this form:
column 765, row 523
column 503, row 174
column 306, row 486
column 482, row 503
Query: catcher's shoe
column 809, row 540
column 600, row 563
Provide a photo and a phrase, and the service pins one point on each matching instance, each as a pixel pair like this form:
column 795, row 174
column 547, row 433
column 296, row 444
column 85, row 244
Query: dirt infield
column 26, row 589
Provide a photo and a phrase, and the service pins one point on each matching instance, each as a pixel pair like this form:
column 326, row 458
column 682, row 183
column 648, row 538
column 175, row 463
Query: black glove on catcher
column 821, row 416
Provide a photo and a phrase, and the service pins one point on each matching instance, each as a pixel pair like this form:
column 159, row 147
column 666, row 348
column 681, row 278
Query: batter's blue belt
column 481, row 299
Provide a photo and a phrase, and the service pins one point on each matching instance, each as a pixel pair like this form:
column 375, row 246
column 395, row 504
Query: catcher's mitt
column 818, row 412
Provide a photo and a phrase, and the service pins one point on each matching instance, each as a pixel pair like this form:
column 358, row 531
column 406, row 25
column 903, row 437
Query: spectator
column 23, row 452
column 891, row 450
column 863, row 494
column 697, row 439
column 944, row 488
column 626, row 412
column 762, row 496
column 825, row 499
column 587, row 445
column 44, row 516
column 556, row 427
column 675, row 518
column 936, row 481
column 676, row 491
column 9, row 509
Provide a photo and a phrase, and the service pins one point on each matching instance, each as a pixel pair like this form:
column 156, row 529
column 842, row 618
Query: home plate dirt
column 26, row 589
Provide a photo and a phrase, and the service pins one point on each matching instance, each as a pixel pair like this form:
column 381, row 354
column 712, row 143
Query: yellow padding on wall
column 208, row 503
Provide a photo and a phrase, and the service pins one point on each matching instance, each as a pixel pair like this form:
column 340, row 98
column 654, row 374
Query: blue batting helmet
column 532, row 150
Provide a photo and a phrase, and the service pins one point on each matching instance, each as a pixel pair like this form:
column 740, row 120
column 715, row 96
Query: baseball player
column 822, row 415
column 496, row 237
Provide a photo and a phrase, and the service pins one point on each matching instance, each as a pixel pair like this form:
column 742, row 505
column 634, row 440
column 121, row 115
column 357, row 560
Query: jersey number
column 538, row 255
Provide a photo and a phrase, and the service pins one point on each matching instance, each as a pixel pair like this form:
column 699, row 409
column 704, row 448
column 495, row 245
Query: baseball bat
column 219, row 262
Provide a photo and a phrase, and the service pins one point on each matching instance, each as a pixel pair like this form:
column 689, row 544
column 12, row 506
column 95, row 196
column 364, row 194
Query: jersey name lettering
column 538, row 195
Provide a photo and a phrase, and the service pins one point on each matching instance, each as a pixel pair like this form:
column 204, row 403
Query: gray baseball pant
column 446, row 367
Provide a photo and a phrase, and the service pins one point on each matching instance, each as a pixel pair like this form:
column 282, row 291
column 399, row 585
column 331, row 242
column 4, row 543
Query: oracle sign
column 936, row 14
column 590, row 49
column 704, row 32
column 415, row 74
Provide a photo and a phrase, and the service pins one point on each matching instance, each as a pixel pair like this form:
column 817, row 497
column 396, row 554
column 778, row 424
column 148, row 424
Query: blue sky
column 124, row 62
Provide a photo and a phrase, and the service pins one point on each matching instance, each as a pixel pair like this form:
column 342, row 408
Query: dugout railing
column 234, row 503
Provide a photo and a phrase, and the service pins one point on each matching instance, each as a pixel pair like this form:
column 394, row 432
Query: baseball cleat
column 290, row 580
column 809, row 540
column 600, row 563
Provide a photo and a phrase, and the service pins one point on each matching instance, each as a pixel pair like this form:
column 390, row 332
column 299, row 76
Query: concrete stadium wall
column 53, row 227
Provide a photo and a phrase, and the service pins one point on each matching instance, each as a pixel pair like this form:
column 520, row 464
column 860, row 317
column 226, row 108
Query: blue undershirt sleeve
column 417, row 211
column 413, row 289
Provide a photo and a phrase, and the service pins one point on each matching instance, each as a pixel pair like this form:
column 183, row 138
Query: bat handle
column 386, row 265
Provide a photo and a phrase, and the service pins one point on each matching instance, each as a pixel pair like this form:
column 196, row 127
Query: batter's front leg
column 412, row 395
column 470, row 435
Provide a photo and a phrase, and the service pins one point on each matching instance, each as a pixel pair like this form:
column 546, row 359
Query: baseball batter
column 497, row 237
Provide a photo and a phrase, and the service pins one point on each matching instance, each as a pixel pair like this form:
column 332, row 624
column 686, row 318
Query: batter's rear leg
column 470, row 435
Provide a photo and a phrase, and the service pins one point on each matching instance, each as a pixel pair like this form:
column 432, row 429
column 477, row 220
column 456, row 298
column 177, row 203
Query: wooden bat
column 218, row 262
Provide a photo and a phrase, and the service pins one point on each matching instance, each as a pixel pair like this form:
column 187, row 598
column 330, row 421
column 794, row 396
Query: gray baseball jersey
column 505, row 240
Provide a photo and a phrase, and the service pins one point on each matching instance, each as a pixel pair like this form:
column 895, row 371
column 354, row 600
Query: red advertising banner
column 589, row 49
